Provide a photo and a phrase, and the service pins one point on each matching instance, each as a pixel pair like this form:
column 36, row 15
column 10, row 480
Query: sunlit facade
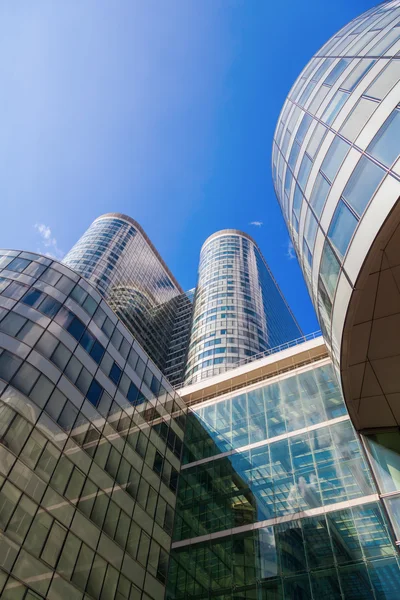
column 90, row 443
column 275, row 496
column 239, row 310
column 336, row 172
column 118, row 258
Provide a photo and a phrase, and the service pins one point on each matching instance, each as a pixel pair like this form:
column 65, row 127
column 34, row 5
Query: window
column 303, row 128
column 115, row 373
column 358, row 118
column 334, row 158
column 297, row 201
column 158, row 463
column 87, row 341
column 76, row 328
column 18, row 265
column 357, row 74
column 94, row 392
column 12, row 324
column 8, row 365
column 334, row 107
column 50, row 306
column 310, row 229
column 32, row 297
column 329, row 269
column 337, row 71
column 319, row 194
column 316, row 139
column 362, row 184
column 15, row 291
column 304, row 171
column 97, row 352
column 342, row 228
column 385, row 145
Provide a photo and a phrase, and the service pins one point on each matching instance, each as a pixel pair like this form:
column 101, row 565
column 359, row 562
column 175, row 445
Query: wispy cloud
column 290, row 253
column 256, row 223
column 48, row 242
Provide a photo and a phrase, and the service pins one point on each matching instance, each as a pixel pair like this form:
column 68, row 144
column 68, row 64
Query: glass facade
column 336, row 152
column 239, row 310
column 118, row 258
column 276, row 500
column 91, row 437
column 336, row 171
column 175, row 365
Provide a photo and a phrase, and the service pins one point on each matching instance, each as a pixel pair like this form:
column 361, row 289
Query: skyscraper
column 90, row 443
column 336, row 171
column 239, row 310
column 118, row 258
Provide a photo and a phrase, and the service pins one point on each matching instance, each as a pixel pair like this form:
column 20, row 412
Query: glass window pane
column 18, row 265
column 385, row 145
column 304, row 171
column 334, row 158
column 319, row 194
column 357, row 118
column 342, row 228
column 362, row 184
column 337, row 71
column 357, row 74
column 334, row 107
column 329, row 269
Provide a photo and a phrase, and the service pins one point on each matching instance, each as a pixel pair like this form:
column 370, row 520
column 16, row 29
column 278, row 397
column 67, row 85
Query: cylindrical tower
column 116, row 256
column 239, row 310
column 336, row 171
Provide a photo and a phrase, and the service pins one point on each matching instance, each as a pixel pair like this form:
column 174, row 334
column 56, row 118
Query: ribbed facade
column 239, row 310
column 90, row 443
column 336, row 170
column 118, row 258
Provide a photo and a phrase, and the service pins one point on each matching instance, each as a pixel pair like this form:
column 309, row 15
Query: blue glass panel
column 362, row 184
column 334, row 158
column 97, row 352
column 334, row 107
column 337, row 71
column 50, row 306
column 76, row 328
column 115, row 373
column 94, row 392
column 385, row 145
column 33, row 297
column 304, row 171
column 342, row 228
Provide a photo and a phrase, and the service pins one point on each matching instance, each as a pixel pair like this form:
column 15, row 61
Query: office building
column 117, row 257
column 239, row 310
column 175, row 366
column 275, row 497
column 336, row 172
column 90, row 443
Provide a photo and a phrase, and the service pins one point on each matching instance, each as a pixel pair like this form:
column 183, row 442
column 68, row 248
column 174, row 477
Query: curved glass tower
column 239, row 310
column 116, row 256
column 336, row 172
column 88, row 481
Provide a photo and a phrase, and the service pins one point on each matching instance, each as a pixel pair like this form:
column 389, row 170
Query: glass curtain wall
column 91, row 438
column 239, row 310
column 276, row 499
column 118, row 258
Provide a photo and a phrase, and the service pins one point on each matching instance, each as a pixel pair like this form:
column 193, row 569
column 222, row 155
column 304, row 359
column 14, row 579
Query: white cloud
column 290, row 253
column 49, row 242
column 256, row 223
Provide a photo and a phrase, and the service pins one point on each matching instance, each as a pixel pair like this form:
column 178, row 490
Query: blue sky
column 161, row 109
